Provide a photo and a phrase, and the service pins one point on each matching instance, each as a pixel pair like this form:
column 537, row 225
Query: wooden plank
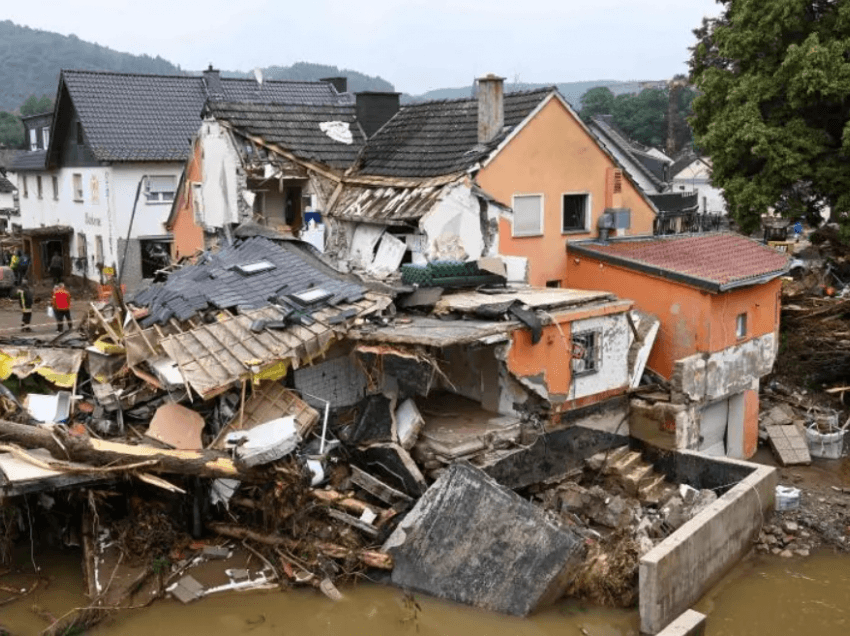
column 788, row 445
column 354, row 522
column 375, row 487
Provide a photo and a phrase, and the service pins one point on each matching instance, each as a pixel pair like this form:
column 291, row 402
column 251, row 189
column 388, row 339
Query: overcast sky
column 417, row 45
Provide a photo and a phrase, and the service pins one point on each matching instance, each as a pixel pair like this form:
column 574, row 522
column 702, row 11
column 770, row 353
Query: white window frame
column 542, row 209
column 588, row 211
column 33, row 139
column 576, row 365
column 77, row 180
column 741, row 325
column 159, row 196
column 45, row 136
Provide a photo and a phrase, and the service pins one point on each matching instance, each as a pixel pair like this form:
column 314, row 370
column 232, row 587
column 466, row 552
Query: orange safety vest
column 61, row 299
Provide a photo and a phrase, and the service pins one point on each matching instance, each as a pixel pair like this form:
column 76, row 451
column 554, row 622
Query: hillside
column 572, row 91
column 308, row 71
column 30, row 61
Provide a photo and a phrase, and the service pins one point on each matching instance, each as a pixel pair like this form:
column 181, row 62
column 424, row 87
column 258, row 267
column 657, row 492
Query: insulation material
column 388, row 259
column 57, row 366
column 363, row 244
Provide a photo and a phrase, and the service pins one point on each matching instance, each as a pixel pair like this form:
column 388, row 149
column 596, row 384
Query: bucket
column 787, row 498
column 826, row 445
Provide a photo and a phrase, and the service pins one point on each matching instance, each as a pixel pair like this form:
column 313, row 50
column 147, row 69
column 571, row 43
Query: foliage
column 597, row 101
column 307, row 71
column 11, row 130
column 36, row 106
column 644, row 116
column 774, row 111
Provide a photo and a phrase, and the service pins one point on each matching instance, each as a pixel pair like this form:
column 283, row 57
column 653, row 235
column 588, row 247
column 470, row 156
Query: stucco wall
column 554, row 155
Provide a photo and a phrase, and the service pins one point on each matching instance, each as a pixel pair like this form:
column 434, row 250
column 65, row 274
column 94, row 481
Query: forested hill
column 30, row 61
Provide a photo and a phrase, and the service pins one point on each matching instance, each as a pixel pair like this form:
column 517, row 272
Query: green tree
column 11, row 130
column 774, row 106
column 34, row 105
column 596, row 101
column 643, row 116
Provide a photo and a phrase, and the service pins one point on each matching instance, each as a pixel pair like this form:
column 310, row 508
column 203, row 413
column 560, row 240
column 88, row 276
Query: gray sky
column 417, row 45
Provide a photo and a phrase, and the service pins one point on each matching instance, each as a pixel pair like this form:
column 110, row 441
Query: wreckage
column 261, row 420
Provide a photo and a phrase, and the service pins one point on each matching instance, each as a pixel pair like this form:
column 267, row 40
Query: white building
column 101, row 174
column 693, row 174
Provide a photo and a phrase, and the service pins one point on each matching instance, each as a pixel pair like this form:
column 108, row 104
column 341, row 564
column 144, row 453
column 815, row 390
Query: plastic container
column 787, row 498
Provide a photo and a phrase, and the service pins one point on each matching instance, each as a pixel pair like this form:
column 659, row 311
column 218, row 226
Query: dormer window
column 45, row 137
column 33, row 139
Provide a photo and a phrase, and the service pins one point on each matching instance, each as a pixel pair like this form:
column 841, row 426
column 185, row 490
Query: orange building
column 717, row 297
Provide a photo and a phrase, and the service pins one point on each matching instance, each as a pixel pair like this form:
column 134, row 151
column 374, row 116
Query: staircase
column 636, row 477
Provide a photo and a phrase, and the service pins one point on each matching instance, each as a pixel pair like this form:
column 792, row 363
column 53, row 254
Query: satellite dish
column 258, row 75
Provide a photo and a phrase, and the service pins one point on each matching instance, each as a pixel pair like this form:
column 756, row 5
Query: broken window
column 586, row 358
column 160, row 189
column 574, row 208
column 528, row 214
column 156, row 255
column 741, row 326
column 78, row 187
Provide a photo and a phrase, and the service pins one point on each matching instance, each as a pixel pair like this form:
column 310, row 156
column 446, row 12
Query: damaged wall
column 460, row 227
column 613, row 368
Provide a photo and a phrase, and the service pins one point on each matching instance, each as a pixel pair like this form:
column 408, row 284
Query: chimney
column 339, row 83
column 491, row 107
column 215, row 91
column 374, row 109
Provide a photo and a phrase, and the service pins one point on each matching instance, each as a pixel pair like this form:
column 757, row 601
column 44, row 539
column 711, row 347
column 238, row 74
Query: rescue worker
column 25, row 300
column 14, row 266
column 61, row 303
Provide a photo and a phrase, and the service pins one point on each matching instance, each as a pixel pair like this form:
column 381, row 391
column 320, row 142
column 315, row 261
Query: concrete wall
column 613, row 368
column 457, row 229
column 680, row 569
column 553, row 155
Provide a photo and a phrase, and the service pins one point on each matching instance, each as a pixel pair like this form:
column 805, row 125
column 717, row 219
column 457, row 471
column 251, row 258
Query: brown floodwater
column 760, row 596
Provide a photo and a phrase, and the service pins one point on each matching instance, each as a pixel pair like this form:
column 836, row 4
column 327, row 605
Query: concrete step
column 626, row 464
column 605, row 459
column 655, row 491
column 638, row 475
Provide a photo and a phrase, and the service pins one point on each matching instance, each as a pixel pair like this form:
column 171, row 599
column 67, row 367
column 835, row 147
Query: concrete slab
column 470, row 540
column 690, row 623
column 790, row 448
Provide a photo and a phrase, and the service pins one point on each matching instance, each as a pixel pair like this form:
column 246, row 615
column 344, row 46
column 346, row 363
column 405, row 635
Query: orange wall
column 553, row 155
column 684, row 312
column 188, row 235
column 549, row 358
column 759, row 302
column 692, row 321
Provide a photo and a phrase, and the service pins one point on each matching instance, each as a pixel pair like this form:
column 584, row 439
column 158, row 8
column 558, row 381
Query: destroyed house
column 717, row 296
column 252, row 310
column 116, row 148
column 508, row 174
column 277, row 164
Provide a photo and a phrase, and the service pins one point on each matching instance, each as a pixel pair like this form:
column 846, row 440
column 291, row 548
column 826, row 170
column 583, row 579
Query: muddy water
column 761, row 596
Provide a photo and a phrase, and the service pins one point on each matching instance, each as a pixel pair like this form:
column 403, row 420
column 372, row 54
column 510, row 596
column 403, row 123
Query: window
column 618, row 181
column 78, row 187
column 160, row 189
column 33, row 139
column 55, row 180
column 45, row 136
column 94, row 190
column 98, row 252
column 24, row 186
column 38, row 187
column 156, row 255
column 528, row 214
column 80, row 141
column 82, row 260
column 741, row 326
column 586, row 358
column 574, row 209
column 554, row 284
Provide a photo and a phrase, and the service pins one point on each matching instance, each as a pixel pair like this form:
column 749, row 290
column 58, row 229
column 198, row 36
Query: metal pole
column 130, row 230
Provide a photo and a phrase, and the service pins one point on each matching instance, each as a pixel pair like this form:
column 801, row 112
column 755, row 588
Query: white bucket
column 787, row 498
column 827, row 445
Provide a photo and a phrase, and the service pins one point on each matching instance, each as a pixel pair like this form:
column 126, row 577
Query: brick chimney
column 374, row 109
column 491, row 107
column 212, row 79
column 339, row 83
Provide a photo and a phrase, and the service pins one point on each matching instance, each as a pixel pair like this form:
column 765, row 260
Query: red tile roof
column 716, row 261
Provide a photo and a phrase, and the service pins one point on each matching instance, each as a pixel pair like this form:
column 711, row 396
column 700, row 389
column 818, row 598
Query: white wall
column 697, row 178
column 219, row 188
column 613, row 371
column 455, row 222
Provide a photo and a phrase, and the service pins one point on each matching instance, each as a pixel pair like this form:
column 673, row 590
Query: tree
column 596, row 101
column 643, row 116
column 35, row 106
column 774, row 108
column 11, row 130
